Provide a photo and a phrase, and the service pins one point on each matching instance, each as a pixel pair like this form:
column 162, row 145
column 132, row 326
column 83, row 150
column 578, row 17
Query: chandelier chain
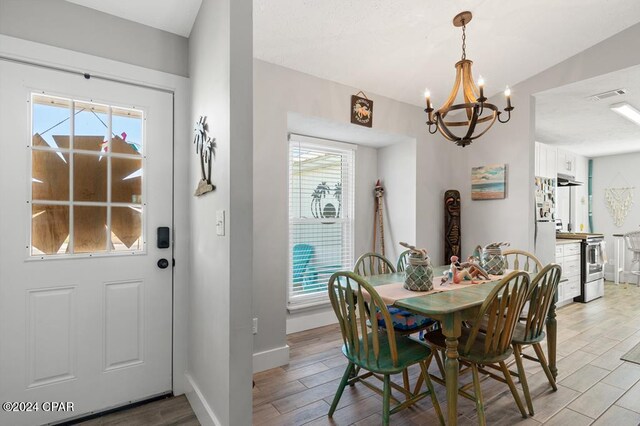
column 464, row 40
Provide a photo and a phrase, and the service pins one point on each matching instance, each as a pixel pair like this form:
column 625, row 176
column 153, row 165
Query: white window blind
column 321, row 191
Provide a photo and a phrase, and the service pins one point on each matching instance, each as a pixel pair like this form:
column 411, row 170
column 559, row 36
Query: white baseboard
column 310, row 319
column 200, row 406
column 625, row 277
column 271, row 358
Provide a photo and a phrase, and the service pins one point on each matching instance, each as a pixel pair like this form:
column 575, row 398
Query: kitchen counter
column 567, row 241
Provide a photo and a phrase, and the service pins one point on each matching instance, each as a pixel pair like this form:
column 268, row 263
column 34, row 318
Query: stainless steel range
column 592, row 262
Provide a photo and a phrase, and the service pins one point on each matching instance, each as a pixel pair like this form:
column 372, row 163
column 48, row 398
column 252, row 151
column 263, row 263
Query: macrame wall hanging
column 619, row 201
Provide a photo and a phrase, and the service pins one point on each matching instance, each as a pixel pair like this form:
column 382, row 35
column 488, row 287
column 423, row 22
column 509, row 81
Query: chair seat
column 405, row 320
column 409, row 352
column 520, row 338
column 476, row 354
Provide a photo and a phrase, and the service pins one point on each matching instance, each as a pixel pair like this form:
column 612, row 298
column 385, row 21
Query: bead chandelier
column 480, row 114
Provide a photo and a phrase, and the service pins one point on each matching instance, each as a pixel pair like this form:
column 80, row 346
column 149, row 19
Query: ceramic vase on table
column 491, row 258
column 418, row 273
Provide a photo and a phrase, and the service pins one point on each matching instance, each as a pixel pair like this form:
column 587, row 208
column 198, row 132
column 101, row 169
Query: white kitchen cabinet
column 546, row 161
column 552, row 161
column 568, row 256
column 537, row 159
column 566, row 162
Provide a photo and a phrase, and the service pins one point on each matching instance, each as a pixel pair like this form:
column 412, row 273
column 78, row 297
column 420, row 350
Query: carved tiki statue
column 452, row 240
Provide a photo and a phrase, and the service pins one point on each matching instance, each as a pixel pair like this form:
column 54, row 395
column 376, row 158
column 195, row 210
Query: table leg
column 616, row 272
column 552, row 337
column 451, row 329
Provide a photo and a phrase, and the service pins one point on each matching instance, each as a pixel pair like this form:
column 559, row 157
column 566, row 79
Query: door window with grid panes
column 87, row 192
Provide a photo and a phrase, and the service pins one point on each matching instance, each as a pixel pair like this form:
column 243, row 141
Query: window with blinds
column 321, row 191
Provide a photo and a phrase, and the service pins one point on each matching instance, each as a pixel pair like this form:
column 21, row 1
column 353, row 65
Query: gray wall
column 220, row 342
column 615, row 171
column 70, row 26
column 397, row 168
column 513, row 143
column 278, row 91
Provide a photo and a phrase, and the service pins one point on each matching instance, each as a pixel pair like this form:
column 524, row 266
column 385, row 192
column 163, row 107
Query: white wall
column 70, row 26
column 397, row 168
column 277, row 92
column 220, row 344
column 615, row 171
column 513, row 143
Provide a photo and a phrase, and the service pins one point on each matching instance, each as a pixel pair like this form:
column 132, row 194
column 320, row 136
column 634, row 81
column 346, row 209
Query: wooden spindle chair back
column 373, row 264
column 403, row 261
column 502, row 308
column 355, row 301
column 543, row 290
column 520, row 260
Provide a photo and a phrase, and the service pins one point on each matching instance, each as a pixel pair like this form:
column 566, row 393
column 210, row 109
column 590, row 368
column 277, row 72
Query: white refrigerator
column 545, row 219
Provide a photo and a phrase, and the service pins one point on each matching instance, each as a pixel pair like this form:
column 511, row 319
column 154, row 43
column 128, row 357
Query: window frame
column 108, row 155
column 302, row 301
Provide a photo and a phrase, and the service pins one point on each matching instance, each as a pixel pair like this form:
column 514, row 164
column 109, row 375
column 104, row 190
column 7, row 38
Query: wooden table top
column 441, row 303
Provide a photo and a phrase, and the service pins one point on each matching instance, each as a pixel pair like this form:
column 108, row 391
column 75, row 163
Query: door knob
column 163, row 263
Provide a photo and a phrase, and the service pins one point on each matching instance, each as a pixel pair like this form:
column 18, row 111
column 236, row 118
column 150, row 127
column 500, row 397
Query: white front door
column 85, row 183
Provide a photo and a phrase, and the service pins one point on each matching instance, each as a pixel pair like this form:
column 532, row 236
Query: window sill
column 308, row 306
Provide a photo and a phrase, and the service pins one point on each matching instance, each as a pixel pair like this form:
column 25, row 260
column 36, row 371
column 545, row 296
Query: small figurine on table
column 466, row 271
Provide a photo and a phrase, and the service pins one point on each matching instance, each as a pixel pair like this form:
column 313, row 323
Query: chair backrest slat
column 502, row 307
column 403, row 261
column 356, row 305
column 520, row 260
column 373, row 264
column 543, row 290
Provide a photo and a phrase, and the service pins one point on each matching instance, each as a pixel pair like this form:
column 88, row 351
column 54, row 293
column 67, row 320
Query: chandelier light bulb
column 427, row 94
column 507, row 92
column 480, row 82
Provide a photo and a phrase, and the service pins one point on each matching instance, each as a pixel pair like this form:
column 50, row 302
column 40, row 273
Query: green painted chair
column 404, row 322
column 374, row 352
column 403, row 261
column 531, row 330
column 488, row 343
column 520, row 260
column 373, row 264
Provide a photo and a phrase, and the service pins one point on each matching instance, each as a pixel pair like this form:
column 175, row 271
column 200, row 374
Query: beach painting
column 489, row 182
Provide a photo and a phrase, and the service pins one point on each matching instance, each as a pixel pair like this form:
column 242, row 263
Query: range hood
column 566, row 180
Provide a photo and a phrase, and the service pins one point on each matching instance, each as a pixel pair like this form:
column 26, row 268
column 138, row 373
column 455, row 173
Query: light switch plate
column 220, row 222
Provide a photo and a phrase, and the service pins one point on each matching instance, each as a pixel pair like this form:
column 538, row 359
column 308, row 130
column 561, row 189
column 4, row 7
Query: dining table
column 451, row 304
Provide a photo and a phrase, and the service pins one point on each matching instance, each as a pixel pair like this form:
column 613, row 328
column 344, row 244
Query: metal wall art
column 205, row 148
column 361, row 110
column 452, row 239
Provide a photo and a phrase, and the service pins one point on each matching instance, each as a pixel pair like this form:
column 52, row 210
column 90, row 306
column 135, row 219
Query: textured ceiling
column 174, row 16
column 567, row 118
column 398, row 48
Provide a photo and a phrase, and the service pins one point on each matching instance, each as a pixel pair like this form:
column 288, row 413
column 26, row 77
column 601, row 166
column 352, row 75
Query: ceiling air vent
column 609, row 94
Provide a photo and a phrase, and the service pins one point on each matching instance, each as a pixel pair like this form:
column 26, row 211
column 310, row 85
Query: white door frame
column 41, row 54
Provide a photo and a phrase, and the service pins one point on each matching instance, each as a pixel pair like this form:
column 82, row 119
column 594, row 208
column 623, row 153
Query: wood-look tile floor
column 594, row 385
column 165, row 412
